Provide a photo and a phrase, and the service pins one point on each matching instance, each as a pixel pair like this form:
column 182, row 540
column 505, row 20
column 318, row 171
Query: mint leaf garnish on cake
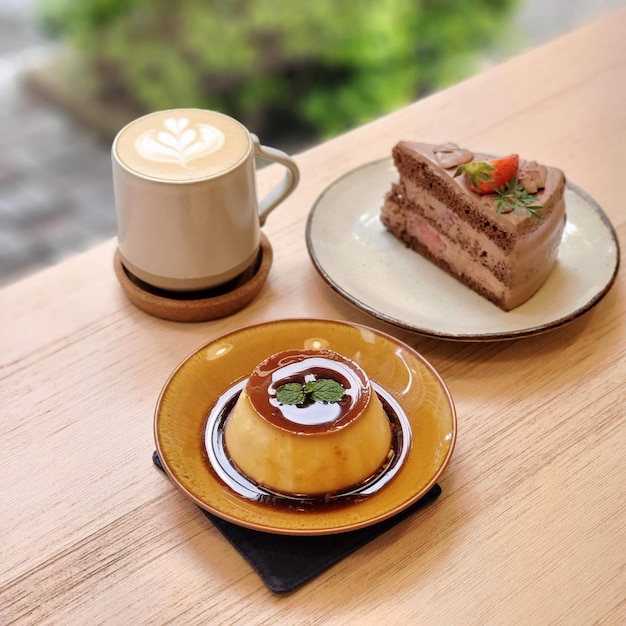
column 499, row 177
column 513, row 197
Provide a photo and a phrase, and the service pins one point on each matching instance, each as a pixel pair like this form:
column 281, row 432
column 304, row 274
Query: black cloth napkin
column 286, row 562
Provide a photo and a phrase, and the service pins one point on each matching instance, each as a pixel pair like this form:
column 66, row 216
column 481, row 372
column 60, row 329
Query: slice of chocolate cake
column 493, row 223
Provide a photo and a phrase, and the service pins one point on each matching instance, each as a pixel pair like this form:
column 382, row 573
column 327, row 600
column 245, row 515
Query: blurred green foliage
column 323, row 65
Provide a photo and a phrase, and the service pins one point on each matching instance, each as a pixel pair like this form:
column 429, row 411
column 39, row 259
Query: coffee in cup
column 185, row 196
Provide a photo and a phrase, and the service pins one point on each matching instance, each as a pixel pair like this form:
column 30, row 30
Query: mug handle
column 285, row 187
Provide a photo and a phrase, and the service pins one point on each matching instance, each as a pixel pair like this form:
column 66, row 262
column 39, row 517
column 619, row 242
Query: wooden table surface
column 530, row 528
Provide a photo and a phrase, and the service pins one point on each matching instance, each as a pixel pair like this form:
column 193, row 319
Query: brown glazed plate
column 183, row 424
column 374, row 271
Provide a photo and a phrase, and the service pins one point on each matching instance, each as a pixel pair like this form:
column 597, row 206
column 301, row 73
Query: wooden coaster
column 198, row 306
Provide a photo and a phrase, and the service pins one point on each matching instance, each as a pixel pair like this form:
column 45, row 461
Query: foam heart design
column 179, row 142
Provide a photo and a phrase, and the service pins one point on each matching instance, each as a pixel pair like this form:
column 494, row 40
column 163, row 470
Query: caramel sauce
column 301, row 366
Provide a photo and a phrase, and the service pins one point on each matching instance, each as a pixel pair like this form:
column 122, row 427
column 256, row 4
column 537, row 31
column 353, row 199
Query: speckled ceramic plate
column 361, row 261
column 200, row 382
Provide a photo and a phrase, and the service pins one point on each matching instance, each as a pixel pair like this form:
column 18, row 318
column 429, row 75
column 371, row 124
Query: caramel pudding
column 308, row 423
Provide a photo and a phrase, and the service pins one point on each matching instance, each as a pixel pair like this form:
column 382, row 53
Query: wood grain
column 530, row 526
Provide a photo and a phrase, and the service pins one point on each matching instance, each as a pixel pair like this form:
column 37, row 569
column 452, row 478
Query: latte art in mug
column 188, row 214
column 180, row 142
column 183, row 145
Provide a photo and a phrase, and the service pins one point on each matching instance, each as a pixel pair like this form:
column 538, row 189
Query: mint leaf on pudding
column 290, row 393
column 321, row 390
column 325, row 390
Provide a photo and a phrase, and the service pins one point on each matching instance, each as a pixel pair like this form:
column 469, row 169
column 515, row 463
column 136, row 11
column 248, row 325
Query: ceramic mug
column 188, row 217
